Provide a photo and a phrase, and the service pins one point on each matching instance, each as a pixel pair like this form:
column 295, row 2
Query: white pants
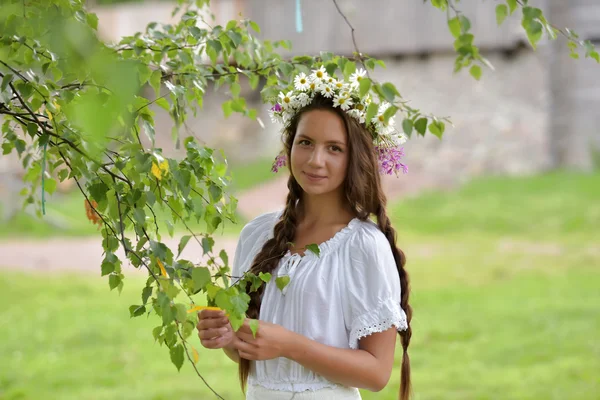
column 256, row 392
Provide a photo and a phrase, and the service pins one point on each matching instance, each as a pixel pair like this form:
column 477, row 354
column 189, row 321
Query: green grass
column 248, row 175
column 505, row 276
column 530, row 336
column 552, row 204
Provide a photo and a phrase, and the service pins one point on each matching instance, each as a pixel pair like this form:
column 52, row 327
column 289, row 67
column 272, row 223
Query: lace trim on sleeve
column 384, row 316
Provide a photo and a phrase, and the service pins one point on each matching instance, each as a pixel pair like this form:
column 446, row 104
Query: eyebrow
column 328, row 142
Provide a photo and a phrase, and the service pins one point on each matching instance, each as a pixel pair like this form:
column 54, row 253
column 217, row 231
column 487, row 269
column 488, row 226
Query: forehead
column 322, row 125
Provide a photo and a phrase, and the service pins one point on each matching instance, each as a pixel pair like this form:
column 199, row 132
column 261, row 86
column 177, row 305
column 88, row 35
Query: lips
column 314, row 177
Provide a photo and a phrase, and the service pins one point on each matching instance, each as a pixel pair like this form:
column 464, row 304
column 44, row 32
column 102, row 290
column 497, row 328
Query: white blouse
column 348, row 292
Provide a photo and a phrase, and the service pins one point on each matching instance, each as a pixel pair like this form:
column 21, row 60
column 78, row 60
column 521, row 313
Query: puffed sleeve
column 252, row 237
column 371, row 294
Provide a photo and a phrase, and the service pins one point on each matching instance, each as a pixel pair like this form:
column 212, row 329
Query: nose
column 317, row 158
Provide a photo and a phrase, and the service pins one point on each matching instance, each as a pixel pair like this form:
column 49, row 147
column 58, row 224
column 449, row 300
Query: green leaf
column 286, row 68
column 255, row 26
column 349, row 68
column 265, row 277
column 475, row 71
column 253, row 327
column 465, row 23
column 455, row 26
column 364, row 86
column 136, row 311
column 154, row 80
column 92, row 20
column 32, row 128
column 201, row 277
column 501, row 13
column 170, row 227
column 407, row 126
column 512, row 4
column 156, row 332
column 146, row 293
column 390, row 112
column 282, row 282
column 49, row 185
column 314, row 248
column 114, row 281
column 182, row 243
column 5, row 81
column 207, row 244
column 371, row 111
column 177, row 355
column 389, row 91
column 437, row 128
column 235, row 89
column 421, row 125
column 224, row 257
column 180, row 313
column 226, row 106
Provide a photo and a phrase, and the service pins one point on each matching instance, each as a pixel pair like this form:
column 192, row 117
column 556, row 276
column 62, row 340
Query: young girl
column 332, row 329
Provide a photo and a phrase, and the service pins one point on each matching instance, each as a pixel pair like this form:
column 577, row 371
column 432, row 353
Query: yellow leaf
column 200, row 308
column 196, row 355
column 156, row 171
column 163, row 271
column 164, row 166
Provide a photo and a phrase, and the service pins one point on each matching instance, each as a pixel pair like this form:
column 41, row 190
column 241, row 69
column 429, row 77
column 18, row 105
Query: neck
column 324, row 209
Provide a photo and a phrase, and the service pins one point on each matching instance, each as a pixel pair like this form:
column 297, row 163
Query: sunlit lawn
column 505, row 279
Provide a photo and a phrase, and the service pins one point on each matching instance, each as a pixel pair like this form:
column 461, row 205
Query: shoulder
column 367, row 238
column 369, row 249
column 260, row 225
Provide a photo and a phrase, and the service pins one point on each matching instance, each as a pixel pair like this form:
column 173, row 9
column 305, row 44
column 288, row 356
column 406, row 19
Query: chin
column 316, row 189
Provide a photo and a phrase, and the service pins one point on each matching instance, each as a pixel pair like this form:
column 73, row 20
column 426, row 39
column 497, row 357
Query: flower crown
column 345, row 95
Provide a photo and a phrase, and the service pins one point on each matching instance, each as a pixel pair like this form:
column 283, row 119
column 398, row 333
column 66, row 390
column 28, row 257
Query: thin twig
column 358, row 53
column 194, row 365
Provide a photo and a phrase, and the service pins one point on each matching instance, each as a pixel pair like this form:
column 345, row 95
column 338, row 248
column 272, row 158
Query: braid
column 268, row 258
column 386, row 227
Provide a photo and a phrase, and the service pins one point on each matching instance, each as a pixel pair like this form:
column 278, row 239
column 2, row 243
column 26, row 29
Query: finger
column 212, row 343
column 246, row 337
column 206, row 313
column 212, row 323
column 212, row 333
column 247, row 356
column 244, row 346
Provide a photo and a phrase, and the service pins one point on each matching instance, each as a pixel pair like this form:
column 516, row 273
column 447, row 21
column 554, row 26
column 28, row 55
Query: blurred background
column 500, row 220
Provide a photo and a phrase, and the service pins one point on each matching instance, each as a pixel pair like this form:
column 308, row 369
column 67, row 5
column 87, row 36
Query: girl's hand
column 214, row 329
column 271, row 341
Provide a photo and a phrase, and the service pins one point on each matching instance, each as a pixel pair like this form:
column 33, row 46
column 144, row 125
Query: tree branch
column 358, row 53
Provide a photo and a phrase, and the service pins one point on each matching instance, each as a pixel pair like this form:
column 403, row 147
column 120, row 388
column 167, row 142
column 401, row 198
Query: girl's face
column 320, row 152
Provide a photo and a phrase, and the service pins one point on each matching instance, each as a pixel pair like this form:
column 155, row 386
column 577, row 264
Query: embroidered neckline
column 330, row 244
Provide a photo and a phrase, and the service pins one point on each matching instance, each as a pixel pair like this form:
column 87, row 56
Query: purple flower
column 276, row 107
column 280, row 161
column 389, row 160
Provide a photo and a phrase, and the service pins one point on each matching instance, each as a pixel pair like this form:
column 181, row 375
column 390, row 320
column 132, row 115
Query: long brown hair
column 365, row 196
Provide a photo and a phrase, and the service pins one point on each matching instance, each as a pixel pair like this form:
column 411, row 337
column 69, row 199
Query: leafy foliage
column 74, row 109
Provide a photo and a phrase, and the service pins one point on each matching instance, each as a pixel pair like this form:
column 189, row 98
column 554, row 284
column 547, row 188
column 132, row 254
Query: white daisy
column 342, row 102
column 357, row 114
column 302, row 99
column 399, row 139
column 341, row 86
column 382, row 107
column 287, row 100
column 325, row 90
column 276, row 117
column 320, row 75
column 356, row 77
column 301, row 82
